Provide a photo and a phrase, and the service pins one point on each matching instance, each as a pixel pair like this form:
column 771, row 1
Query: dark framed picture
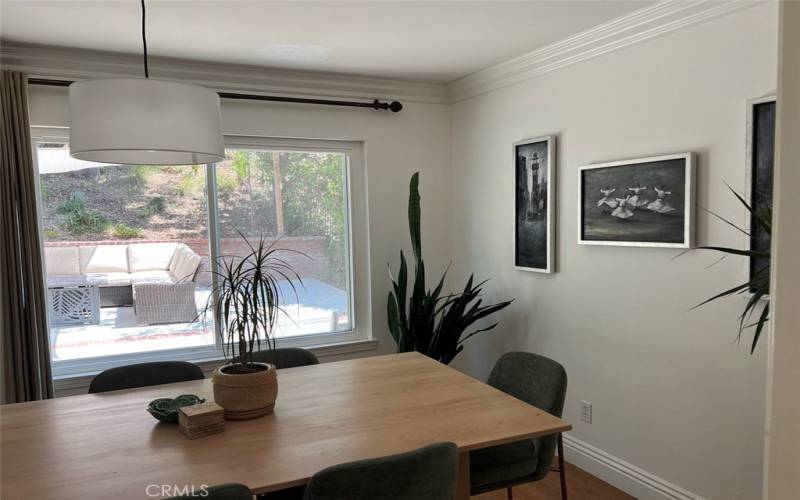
column 760, row 164
column 644, row 202
column 534, row 204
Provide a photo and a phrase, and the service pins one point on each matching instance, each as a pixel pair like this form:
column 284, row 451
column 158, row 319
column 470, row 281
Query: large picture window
column 129, row 250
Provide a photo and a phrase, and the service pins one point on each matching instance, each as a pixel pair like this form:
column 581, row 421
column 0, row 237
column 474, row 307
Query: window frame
column 357, row 338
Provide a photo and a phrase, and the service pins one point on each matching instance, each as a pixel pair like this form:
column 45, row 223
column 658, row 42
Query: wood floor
column 580, row 486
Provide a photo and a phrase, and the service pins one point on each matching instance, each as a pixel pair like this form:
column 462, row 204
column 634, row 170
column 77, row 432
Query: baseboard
column 621, row 474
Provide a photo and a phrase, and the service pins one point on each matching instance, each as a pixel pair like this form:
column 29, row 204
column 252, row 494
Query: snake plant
column 429, row 321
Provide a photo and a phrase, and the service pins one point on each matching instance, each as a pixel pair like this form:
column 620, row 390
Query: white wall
column 782, row 474
column 672, row 392
column 396, row 145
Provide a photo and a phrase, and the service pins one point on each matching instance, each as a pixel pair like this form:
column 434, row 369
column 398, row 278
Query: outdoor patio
column 319, row 308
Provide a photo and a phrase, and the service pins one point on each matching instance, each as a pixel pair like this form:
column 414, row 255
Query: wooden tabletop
column 108, row 446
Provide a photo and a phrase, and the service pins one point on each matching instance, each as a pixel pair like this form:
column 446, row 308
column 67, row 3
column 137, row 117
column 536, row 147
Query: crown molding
column 638, row 26
column 653, row 21
column 45, row 61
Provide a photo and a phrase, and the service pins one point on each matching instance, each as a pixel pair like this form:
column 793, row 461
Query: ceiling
column 434, row 42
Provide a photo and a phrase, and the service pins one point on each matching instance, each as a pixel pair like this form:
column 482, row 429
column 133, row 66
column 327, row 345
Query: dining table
column 106, row 445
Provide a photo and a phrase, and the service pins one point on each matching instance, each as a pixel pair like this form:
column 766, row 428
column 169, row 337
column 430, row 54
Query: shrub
column 141, row 173
column 75, row 203
column 126, row 232
column 226, row 185
column 191, row 185
column 51, row 234
column 86, row 221
column 157, row 205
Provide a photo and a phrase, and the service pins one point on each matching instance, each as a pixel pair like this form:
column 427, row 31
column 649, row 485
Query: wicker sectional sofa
column 157, row 279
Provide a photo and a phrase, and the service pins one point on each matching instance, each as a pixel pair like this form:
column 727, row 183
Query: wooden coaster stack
column 201, row 420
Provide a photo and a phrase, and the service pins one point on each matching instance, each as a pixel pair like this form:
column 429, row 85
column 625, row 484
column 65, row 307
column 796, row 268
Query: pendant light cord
column 144, row 42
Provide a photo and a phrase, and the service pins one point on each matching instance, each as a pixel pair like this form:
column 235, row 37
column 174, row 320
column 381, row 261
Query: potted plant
column 756, row 288
column 430, row 321
column 246, row 303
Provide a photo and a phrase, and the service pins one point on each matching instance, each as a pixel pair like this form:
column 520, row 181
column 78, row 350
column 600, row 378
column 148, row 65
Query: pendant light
column 140, row 121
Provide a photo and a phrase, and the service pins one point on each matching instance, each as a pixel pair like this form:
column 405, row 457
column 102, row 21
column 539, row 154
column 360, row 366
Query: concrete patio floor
column 318, row 308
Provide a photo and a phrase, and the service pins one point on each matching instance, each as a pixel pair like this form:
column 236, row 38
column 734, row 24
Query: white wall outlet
column 586, row 412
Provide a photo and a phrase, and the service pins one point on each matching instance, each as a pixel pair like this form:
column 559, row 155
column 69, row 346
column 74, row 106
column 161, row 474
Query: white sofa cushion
column 61, row 261
column 109, row 279
column 150, row 256
column 58, row 280
column 184, row 264
column 105, row 259
column 140, row 277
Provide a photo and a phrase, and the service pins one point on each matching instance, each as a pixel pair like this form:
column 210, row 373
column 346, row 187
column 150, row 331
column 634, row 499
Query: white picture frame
column 687, row 230
column 530, row 224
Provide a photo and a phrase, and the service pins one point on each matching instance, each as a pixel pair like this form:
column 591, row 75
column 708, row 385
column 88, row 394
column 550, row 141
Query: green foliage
column 249, row 299
column 44, row 193
column 124, row 232
column 241, row 165
column 226, row 185
column 142, row 173
column 155, row 205
column 76, row 202
column 314, row 204
column 432, row 323
column 86, row 221
column 191, row 185
column 758, row 285
column 81, row 219
column 51, row 234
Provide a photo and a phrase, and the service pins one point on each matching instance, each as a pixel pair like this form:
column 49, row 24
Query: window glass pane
column 126, row 255
column 299, row 201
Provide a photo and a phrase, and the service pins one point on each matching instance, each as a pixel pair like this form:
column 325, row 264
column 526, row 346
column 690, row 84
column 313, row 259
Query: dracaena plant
column 758, row 284
column 429, row 321
column 246, row 299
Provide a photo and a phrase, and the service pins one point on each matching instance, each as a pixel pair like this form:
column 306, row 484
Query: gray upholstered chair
column 541, row 382
column 427, row 473
column 221, row 492
column 145, row 374
column 287, row 357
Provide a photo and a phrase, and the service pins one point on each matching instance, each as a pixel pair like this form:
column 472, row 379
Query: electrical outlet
column 586, row 412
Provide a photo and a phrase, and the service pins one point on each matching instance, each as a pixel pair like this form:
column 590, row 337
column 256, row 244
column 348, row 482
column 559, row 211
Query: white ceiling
column 434, row 42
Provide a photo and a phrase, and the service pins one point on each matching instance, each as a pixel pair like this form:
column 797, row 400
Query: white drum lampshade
column 137, row 121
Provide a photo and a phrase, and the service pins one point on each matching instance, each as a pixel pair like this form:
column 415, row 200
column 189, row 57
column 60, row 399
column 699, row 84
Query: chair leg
column 561, row 470
column 510, row 493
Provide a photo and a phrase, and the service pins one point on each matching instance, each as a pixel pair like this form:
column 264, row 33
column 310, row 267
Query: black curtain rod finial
column 394, row 106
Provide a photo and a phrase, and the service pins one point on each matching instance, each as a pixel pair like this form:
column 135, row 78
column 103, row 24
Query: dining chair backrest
column 286, row 357
column 427, row 473
column 540, row 382
column 221, row 492
column 145, row 374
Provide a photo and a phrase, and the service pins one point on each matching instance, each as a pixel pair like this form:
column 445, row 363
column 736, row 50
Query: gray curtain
column 27, row 375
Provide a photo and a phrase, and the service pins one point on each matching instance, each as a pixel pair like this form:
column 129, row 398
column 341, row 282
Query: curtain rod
column 393, row 106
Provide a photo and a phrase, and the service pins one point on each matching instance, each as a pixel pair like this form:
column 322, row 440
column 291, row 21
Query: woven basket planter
column 246, row 395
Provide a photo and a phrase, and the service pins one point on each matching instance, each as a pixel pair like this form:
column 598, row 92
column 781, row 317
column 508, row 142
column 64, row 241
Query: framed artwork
column 760, row 164
column 534, row 204
column 644, row 202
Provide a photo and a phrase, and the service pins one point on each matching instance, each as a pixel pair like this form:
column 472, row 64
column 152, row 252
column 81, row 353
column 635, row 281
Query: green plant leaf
column 414, row 216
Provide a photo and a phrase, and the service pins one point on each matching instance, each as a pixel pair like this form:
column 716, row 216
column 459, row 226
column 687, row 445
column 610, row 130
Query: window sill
column 70, row 385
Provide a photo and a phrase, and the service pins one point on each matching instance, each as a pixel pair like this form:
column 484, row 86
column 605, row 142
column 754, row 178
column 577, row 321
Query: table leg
column 462, row 483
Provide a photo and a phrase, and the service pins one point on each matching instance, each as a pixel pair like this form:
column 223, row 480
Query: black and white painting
column 760, row 167
column 534, row 163
column 644, row 202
